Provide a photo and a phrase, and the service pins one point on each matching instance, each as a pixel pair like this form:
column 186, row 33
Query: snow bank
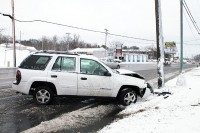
column 180, row 112
column 181, row 81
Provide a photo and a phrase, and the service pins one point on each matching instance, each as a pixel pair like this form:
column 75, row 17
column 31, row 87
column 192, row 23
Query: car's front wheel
column 43, row 95
column 127, row 96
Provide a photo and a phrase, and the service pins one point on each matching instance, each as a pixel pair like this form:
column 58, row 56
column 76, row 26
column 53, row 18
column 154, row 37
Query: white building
column 134, row 56
column 6, row 54
column 131, row 57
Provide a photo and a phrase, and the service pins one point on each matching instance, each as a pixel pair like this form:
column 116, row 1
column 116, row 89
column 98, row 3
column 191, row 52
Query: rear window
column 35, row 62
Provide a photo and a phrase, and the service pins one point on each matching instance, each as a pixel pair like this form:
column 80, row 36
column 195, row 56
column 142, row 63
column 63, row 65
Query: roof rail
column 55, row 52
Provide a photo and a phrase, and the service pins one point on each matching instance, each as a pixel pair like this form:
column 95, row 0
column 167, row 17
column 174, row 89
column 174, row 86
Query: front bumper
column 147, row 91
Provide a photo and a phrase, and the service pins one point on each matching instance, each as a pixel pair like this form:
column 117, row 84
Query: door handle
column 54, row 76
column 83, row 78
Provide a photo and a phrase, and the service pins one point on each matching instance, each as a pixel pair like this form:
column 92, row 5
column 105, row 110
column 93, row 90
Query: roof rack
column 55, row 52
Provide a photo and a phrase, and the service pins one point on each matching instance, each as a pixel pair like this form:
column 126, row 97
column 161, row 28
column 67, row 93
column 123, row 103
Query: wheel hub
column 129, row 98
column 43, row 96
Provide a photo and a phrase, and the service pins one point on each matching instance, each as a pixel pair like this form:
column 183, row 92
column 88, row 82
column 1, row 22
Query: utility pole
column 68, row 41
column 160, row 42
column 20, row 37
column 20, row 40
column 13, row 30
column 42, row 44
column 106, row 35
column 181, row 32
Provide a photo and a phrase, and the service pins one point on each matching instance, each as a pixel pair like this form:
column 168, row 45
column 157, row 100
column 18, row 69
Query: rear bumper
column 21, row 87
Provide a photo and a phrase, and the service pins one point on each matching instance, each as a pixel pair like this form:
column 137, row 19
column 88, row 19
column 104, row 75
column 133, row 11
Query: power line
column 193, row 40
column 123, row 40
column 75, row 27
column 130, row 37
column 188, row 43
column 191, row 17
column 189, row 26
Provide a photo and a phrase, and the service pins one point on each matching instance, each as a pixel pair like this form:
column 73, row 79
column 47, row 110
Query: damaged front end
column 146, row 91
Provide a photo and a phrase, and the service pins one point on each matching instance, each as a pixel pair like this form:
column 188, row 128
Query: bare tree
column 54, row 43
column 4, row 38
column 75, row 42
column 197, row 58
column 134, row 47
column 151, row 51
column 44, row 43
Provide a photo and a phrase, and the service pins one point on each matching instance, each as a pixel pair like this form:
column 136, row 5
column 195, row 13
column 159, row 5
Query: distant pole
column 160, row 42
column 106, row 35
column 68, row 41
column 42, row 44
column 181, row 32
column 13, row 30
column 20, row 37
column 20, row 40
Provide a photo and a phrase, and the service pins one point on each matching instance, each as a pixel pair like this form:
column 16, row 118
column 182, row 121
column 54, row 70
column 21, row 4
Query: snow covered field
column 6, row 54
column 178, row 112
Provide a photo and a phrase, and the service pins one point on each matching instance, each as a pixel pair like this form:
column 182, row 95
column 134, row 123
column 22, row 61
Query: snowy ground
column 178, row 112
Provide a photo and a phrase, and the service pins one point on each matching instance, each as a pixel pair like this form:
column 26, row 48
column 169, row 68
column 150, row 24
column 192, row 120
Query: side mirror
column 107, row 73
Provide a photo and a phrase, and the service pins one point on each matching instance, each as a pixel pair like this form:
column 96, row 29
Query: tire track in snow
column 74, row 120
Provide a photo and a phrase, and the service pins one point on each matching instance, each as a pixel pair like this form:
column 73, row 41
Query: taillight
column 18, row 76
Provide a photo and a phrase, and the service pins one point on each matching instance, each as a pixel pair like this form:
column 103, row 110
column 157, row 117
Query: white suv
column 48, row 74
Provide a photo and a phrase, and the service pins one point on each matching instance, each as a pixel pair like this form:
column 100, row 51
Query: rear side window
column 35, row 62
column 66, row 64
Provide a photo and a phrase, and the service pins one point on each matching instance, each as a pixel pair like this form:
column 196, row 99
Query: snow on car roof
column 88, row 56
column 65, row 53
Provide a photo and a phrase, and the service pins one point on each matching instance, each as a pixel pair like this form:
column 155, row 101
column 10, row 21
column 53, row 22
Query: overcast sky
column 135, row 18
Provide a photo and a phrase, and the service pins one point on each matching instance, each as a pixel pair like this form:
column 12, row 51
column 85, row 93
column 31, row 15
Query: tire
column 43, row 95
column 118, row 66
column 127, row 96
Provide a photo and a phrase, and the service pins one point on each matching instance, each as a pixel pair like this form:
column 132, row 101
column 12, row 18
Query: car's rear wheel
column 127, row 96
column 43, row 95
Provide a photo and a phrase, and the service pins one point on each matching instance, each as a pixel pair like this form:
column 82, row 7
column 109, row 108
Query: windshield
column 113, row 70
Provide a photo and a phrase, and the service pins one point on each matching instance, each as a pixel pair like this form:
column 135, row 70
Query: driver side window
column 92, row 67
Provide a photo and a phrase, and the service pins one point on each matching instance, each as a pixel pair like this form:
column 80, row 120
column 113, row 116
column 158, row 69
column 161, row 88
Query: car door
column 92, row 79
column 64, row 75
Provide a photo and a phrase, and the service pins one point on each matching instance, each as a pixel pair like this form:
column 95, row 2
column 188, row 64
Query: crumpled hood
column 128, row 80
column 130, row 73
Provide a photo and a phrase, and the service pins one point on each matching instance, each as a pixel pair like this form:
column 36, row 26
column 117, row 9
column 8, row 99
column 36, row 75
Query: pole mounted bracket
column 8, row 15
